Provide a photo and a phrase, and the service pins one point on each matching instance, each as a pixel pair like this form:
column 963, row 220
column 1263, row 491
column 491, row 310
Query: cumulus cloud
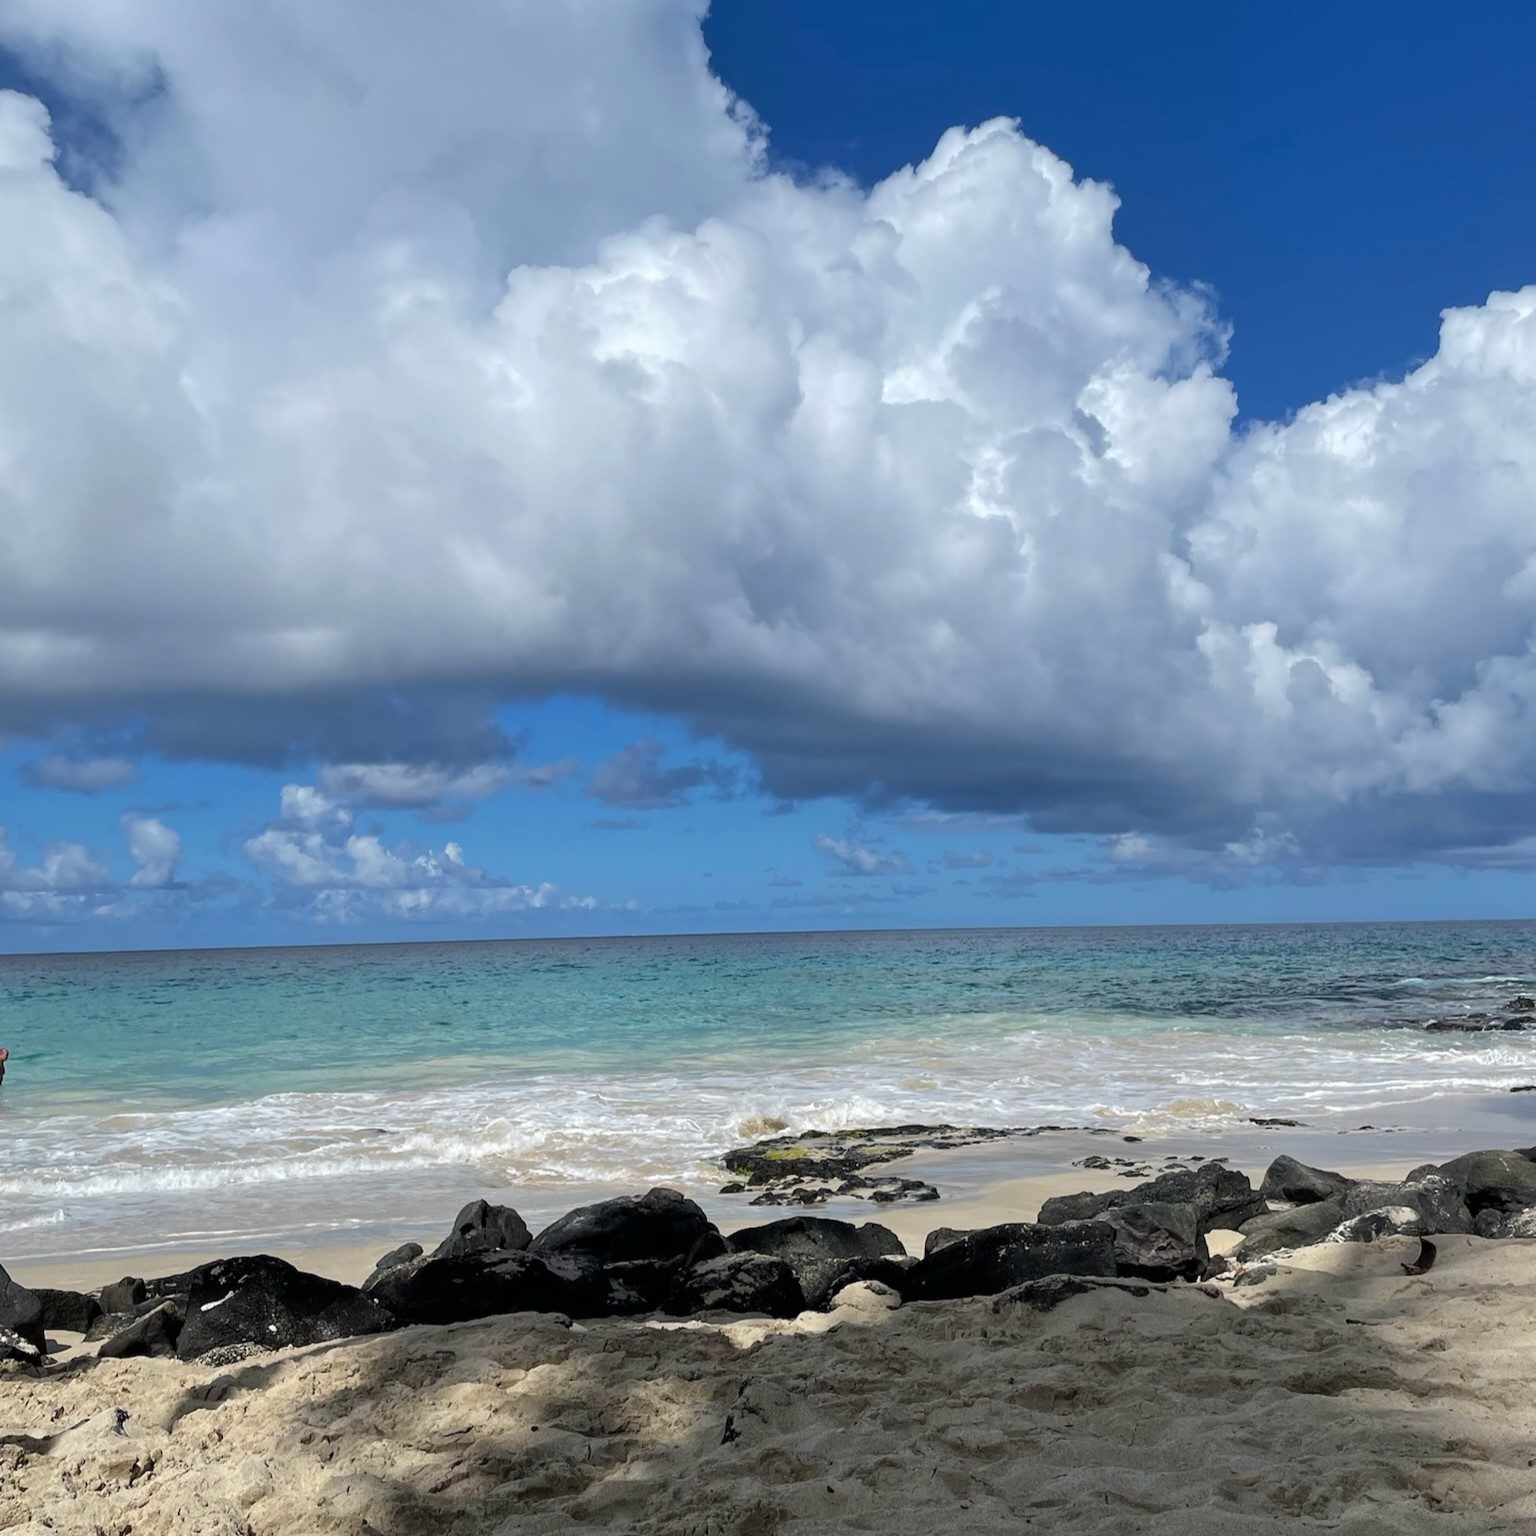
column 499, row 362
column 637, row 778
column 854, row 858
column 69, row 883
column 79, row 775
column 155, row 850
column 323, row 867
column 953, row 858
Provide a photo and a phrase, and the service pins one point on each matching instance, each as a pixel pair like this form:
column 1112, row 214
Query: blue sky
column 388, row 716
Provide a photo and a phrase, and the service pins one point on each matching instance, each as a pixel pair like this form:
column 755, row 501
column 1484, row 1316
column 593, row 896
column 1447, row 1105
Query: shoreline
column 979, row 1186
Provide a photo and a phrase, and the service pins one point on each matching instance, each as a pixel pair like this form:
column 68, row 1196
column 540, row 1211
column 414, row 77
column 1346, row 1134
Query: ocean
column 220, row 1098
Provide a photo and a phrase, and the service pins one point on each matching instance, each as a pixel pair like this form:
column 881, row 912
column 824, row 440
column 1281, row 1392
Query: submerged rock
column 825, row 1255
column 994, row 1259
column 266, row 1302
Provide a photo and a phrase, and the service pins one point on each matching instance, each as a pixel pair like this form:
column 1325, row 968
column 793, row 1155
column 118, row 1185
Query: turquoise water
column 300, row 1089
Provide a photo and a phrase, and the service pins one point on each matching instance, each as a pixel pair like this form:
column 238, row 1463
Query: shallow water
column 215, row 1096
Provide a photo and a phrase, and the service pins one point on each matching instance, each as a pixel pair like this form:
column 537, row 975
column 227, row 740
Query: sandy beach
column 1327, row 1390
column 1338, row 1395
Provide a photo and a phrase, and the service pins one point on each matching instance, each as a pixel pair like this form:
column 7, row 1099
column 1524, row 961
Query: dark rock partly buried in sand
column 1156, row 1241
column 154, row 1333
column 1286, row 1179
column 67, row 1311
column 1296, row 1228
column 481, row 1227
column 739, row 1282
column 1499, row 1181
column 17, row 1351
column 1438, row 1202
column 1491, row 1223
column 465, row 1286
column 996, row 1258
column 1371, row 1226
column 20, row 1311
column 825, row 1255
column 660, row 1224
column 1222, row 1197
column 266, row 1302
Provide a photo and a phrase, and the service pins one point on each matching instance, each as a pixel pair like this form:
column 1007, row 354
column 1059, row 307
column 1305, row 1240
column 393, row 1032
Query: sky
column 594, row 466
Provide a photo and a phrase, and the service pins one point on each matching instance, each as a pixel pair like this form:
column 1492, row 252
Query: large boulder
column 738, row 1282
column 20, row 1311
column 1221, row 1196
column 825, row 1255
column 480, row 1228
column 154, row 1333
column 1157, row 1241
column 1439, row 1203
column 1498, row 1181
column 465, row 1286
column 67, row 1311
column 1298, row 1227
column 266, row 1302
column 1296, row 1183
column 660, row 1224
column 19, row 1352
column 994, row 1259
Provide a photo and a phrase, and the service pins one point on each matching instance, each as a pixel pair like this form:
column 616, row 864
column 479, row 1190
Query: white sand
column 1338, row 1395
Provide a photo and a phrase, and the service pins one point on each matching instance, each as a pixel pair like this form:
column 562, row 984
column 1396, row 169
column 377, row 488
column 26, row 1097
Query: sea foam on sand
column 1339, row 1394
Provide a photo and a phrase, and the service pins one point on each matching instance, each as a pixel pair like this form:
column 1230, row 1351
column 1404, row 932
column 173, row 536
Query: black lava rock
column 1499, row 1181
column 995, row 1259
column 266, row 1302
column 1221, row 1196
column 123, row 1295
column 1286, row 1179
column 67, row 1311
column 1296, row 1228
column 465, row 1286
column 480, row 1228
column 154, row 1333
column 20, row 1311
column 738, row 1282
column 660, row 1224
column 824, row 1255
column 1157, row 1241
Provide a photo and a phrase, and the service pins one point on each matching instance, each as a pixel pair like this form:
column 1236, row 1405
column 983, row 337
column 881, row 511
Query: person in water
column 5, row 1056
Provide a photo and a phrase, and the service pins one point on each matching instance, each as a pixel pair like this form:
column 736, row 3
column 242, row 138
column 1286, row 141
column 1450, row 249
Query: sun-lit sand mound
column 1337, row 1394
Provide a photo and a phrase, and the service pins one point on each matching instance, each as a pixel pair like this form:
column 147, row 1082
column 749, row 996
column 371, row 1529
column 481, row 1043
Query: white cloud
column 155, row 850
column 857, row 859
column 494, row 360
column 326, row 869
